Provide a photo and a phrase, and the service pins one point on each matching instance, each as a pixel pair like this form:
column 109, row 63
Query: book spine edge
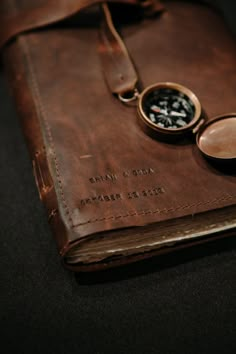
column 17, row 77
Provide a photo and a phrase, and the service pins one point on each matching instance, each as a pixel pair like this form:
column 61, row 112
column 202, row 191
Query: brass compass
column 166, row 109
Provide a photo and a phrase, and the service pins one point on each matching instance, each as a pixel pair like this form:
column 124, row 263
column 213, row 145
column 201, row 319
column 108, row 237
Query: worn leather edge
column 21, row 91
column 16, row 72
column 138, row 257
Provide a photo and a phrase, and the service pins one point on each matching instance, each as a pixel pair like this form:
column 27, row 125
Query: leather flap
column 18, row 17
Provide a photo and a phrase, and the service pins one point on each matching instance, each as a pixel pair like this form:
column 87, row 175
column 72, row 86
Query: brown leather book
column 114, row 193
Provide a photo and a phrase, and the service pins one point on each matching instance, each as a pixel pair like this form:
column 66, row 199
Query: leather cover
column 113, row 194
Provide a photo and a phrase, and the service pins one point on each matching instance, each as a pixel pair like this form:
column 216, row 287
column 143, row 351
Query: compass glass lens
column 168, row 108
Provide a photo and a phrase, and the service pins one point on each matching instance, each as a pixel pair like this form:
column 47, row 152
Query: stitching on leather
column 65, row 205
column 43, row 114
column 112, row 217
column 156, row 211
column 38, row 100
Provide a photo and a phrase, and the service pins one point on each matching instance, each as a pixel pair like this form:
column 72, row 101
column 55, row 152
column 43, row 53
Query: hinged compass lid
column 217, row 138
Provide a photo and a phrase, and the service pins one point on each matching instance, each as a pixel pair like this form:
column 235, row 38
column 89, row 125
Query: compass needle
column 170, row 104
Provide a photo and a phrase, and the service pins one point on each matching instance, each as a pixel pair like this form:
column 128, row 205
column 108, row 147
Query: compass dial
column 169, row 106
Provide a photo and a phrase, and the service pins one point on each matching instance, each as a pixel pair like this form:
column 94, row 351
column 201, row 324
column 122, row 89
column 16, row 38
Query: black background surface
column 180, row 303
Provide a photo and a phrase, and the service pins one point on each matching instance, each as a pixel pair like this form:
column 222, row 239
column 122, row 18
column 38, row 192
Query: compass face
column 168, row 108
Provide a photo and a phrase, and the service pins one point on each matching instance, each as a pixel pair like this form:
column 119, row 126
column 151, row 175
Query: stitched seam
column 37, row 97
column 65, row 205
column 43, row 114
column 156, row 211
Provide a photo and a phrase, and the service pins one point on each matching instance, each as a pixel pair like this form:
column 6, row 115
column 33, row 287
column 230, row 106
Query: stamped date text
column 104, row 198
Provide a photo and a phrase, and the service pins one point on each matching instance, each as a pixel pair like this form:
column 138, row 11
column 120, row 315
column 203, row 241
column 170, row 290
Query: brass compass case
column 217, row 139
column 169, row 94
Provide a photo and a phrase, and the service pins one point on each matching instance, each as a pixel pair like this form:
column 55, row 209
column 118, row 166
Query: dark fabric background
column 180, row 303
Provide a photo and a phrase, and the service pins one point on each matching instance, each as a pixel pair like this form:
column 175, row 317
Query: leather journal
column 114, row 193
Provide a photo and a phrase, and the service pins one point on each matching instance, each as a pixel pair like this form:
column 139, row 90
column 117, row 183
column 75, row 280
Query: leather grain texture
column 96, row 169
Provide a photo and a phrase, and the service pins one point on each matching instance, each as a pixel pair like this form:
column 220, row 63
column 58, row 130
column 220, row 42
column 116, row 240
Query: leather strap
column 118, row 68
column 48, row 12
